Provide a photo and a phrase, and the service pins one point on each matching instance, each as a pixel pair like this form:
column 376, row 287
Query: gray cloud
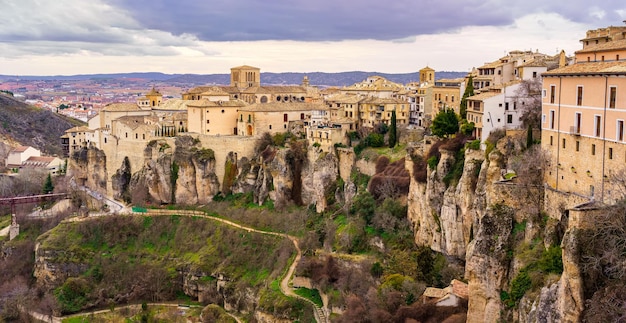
column 329, row 20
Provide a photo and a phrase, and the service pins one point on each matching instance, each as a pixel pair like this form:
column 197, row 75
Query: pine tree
column 529, row 136
column 48, row 187
column 469, row 91
column 393, row 130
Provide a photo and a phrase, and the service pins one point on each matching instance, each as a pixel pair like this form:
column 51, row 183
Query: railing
column 574, row 130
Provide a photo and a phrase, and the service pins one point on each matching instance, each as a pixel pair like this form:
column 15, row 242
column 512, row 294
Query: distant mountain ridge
column 316, row 78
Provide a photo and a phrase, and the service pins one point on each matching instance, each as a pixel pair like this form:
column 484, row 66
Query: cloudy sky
column 42, row 37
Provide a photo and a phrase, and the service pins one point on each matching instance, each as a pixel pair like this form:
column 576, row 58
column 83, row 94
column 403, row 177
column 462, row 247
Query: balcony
column 574, row 130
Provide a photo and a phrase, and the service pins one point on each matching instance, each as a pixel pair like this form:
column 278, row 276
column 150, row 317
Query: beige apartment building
column 257, row 119
column 583, row 115
column 214, row 117
column 373, row 111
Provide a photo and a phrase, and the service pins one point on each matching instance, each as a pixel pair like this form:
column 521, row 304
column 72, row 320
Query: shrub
column 474, row 144
column 432, row 162
column 420, row 173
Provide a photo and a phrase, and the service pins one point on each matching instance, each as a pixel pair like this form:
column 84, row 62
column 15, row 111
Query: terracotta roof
column 20, row 149
column 78, row 129
column 434, row 292
column 536, row 63
column 483, row 96
column 492, row 65
column 284, row 106
column 281, row 89
column 214, row 90
column 39, row 161
column 206, row 103
column 244, row 67
column 375, row 100
column 122, row 107
column 173, row 104
column 590, row 68
column 460, row 289
column 344, row 98
column 608, row 46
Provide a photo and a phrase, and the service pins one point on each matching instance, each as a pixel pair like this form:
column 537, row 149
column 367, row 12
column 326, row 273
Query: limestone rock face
column 487, row 265
column 443, row 216
column 184, row 174
column 88, row 167
column 50, row 272
column 319, row 175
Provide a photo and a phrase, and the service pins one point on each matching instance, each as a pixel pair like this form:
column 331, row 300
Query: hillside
column 23, row 124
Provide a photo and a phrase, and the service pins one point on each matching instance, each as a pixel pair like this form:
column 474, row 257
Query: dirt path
column 320, row 314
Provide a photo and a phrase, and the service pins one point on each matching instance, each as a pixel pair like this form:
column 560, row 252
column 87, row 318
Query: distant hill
column 315, row 78
column 32, row 126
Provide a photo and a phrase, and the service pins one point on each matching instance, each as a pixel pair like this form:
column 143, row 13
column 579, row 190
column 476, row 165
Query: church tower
column 427, row 75
column 245, row 76
column 154, row 97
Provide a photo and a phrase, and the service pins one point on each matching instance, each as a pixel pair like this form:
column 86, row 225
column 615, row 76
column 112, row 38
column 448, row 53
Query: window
column 612, row 96
column 136, row 136
column 620, row 130
column 617, row 57
column 579, row 96
column 301, row 116
column 285, row 118
column 127, row 135
column 577, row 145
column 551, row 140
column 593, row 149
column 208, row 121
column 603, row 58
column 506, row 106
column 563, row 142
column 577, row 122
column 598, row 125
column 551, row 119
column 534, row 74
column 509, row 118
column 552, row 93
column 610, row 153
column 270, row 127
column 105, row 140
column 543, row 93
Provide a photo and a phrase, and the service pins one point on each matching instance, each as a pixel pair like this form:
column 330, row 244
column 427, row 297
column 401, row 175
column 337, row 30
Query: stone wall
column 561, row 201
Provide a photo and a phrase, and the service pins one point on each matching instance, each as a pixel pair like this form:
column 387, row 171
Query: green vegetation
column 48, row 187
column 273, row 301
column 173, row 178
column 445, row 123
column 203, row 154
column 432, row 162
column 146, row 253
column 310, row 294
column 393, row 130
column 469, row 91
column 540, row 263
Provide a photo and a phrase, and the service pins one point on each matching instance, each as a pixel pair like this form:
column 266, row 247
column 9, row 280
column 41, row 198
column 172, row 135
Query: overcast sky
column 42, row 37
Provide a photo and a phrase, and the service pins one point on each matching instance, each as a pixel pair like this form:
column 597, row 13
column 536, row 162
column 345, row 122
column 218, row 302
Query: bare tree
column 528, row 100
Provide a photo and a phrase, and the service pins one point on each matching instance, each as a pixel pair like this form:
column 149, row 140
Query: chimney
column 562, row 59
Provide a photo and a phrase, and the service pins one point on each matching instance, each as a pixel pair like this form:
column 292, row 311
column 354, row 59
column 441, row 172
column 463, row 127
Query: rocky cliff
column 513, row 264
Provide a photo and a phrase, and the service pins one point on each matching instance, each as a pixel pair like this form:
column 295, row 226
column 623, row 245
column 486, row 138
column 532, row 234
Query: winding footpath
column 285, row 284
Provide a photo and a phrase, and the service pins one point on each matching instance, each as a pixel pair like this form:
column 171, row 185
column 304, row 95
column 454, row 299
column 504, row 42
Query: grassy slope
column 117, row 249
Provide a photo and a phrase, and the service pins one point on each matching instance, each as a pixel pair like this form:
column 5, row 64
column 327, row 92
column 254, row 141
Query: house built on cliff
column 584, row 108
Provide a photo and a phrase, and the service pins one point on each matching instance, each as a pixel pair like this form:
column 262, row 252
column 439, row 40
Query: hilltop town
column 497, row 196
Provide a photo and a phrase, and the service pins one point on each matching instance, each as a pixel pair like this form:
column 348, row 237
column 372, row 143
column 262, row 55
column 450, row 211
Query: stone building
column 584, row 108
